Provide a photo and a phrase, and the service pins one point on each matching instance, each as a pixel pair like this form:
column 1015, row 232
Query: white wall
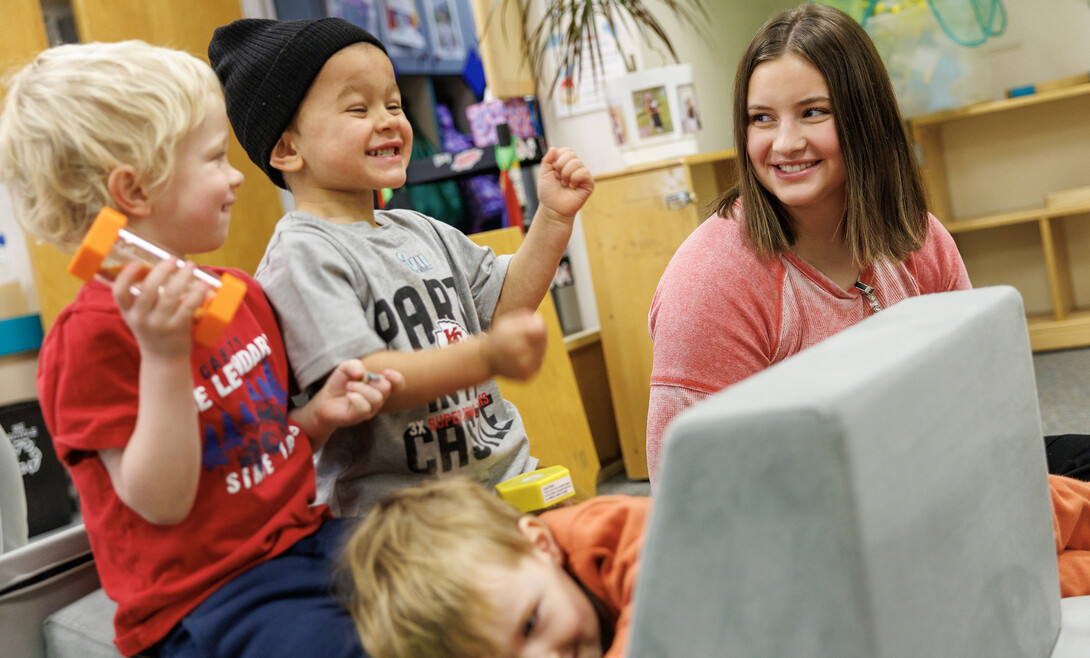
column 16, row 253
column 1045, row 39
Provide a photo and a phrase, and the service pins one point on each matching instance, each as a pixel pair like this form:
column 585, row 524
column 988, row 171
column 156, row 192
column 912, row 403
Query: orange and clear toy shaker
column 108, row 247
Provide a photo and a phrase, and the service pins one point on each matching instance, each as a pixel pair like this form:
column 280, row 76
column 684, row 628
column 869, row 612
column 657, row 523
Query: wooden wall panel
column 550, row 403
column 28, row 37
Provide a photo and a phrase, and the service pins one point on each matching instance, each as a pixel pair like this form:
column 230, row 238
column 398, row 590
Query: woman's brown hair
column 885, row 205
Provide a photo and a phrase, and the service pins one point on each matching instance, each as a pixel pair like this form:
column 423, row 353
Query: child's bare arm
column 157, row 472
column 564, row 185
column 515, row 348
column 350, row 395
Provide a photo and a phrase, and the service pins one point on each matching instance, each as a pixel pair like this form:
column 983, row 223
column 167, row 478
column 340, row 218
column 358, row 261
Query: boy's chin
column 392, row 184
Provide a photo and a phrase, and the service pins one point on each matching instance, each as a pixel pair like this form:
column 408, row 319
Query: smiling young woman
column 828, row 224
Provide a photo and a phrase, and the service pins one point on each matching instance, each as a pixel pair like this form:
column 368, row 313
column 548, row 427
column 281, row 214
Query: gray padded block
column 82, row 629
column 1074, row 640
column 36, row 580
column 883, row 493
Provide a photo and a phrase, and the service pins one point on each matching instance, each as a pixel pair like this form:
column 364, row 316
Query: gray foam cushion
column 883, row 493
column 83, row 628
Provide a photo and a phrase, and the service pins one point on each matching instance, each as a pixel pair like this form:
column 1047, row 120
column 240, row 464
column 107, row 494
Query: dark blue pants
column 286, row 606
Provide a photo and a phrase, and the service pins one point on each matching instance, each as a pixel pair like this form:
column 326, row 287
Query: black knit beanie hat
column 266, row 68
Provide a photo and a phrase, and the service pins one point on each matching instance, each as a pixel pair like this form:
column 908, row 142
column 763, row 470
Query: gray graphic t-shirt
column 343, row 291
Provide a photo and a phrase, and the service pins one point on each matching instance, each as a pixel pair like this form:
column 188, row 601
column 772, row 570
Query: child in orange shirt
column 505, row 583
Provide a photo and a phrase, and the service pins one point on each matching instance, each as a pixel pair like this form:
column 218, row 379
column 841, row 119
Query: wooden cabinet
column 989, row 169
column 550, row 402
column 27, row 37
column 633, row 223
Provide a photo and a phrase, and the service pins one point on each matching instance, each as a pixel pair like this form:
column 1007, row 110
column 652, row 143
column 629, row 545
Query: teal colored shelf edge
column 20, row 334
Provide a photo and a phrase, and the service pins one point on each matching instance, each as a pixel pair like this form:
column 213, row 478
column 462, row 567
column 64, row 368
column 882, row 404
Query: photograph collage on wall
column 653, row 107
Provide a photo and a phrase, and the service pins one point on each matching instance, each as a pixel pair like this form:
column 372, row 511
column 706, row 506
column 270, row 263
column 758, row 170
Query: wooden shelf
column 632, row 231
column 1004, row 105
column 999, row 155
column 984, row 222
column 581, row 339
column 715, row 158
column 1047, row 333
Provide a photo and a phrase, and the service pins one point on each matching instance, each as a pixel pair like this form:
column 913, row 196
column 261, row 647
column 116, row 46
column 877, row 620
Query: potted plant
column 569, row 25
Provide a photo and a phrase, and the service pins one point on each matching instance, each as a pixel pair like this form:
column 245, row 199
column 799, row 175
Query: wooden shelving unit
column 633, row 223
column 988, row 168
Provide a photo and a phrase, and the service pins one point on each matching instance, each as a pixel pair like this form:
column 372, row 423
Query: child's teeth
column 790, row 169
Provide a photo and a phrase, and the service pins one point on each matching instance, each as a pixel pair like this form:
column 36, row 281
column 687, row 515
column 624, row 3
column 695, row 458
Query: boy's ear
column 128, row 192
column 285, row 156
column 541, row 538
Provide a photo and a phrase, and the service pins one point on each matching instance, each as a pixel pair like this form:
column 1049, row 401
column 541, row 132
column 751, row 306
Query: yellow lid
column 97, row 244
column 536, row 490
column 218, row 310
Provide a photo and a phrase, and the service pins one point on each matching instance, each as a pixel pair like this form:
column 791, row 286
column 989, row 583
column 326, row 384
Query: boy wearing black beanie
column 315, row 103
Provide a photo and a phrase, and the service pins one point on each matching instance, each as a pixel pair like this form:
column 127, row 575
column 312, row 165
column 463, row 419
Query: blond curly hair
column 76, row 112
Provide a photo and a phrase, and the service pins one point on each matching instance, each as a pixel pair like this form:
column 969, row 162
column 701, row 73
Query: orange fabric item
column 602, row 538
column 1071, row 523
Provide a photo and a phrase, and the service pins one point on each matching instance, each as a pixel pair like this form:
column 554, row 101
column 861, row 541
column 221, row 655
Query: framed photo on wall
column 651, row 107
column 403, row 25
column 363, row 13
column 648, row 110
column 445, row 27
column 689, row 109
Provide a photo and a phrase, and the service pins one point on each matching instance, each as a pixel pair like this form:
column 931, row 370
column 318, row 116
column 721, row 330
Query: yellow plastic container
column 108, row 247
column 538, row 490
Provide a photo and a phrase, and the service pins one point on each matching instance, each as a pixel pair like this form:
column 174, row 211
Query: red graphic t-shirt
column 257, row 484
